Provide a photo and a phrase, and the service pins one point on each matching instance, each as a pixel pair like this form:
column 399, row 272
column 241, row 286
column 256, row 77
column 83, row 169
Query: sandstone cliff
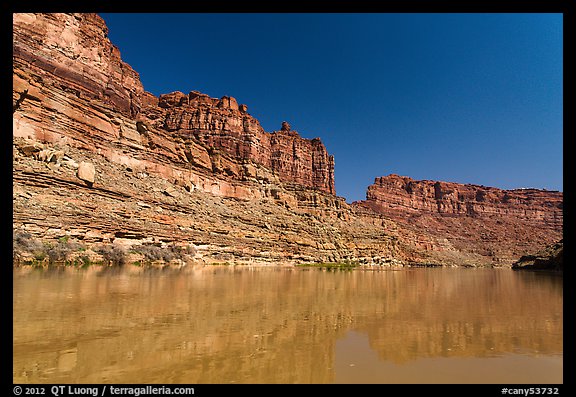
column 496, row 224
column 220, row 135
column 70, row 87
column 97, row 160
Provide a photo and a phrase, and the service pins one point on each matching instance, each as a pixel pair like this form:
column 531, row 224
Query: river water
column 229, row 324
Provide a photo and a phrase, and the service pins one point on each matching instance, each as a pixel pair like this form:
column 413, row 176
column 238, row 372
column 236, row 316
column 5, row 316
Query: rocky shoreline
column 550, row 258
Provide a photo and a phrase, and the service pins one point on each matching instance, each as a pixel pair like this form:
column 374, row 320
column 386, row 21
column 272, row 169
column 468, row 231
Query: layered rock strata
column 219, row 134
column 494, row 223
column 99, row 160
column 70, row 87
column 127, row 207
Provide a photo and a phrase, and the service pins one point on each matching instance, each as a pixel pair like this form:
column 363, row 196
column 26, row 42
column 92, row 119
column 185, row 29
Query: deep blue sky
column 469, row 98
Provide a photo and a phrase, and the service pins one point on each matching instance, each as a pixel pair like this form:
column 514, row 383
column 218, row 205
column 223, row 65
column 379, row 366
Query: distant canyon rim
column 99, row 164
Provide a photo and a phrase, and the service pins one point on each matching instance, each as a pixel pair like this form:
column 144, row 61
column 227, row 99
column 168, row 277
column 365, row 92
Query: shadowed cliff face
column 550, row 258
column 98, row 159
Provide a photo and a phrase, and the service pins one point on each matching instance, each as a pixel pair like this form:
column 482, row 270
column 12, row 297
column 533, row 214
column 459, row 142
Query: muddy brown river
column 287, row 325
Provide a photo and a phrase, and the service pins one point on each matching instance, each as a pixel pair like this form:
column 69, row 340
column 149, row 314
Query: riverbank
column 549, row 258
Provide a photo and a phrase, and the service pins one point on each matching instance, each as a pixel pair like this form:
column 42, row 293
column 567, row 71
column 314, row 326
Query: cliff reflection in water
column 261, row 325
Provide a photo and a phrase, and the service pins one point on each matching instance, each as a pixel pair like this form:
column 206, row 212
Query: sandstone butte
column 99, row 161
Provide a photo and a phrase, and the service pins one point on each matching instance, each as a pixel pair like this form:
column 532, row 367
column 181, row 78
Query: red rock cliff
column 98, row 159
column 488, row 221
column 400, row 197
column 70, row 87
column 73, row 52
column 223, row 125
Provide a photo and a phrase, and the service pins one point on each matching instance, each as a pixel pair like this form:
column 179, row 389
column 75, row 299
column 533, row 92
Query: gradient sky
column 468, row 98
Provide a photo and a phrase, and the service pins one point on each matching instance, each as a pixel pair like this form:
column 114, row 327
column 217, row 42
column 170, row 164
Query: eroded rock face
column 70, row 87
column 75, row 102
column 222, row 125
column 189, row 169
column 73, row 51
column 491, row 222
column 399, row 197
column 130, row 207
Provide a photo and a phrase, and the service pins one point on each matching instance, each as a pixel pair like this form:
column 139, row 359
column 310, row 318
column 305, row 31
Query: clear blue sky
column 469, row 98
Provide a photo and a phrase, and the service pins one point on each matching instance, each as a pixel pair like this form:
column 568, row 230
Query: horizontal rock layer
column 128, row 207
column 70, row 86
column 72, row 53
column 98, row 159
column 495, row 223
column 224, row 128
column 399, row 197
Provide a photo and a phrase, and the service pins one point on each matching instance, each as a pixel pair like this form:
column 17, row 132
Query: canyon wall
column 495, row 223
column 98, row 160
column 222, row 127
column 70, row 87
column 400, row 197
